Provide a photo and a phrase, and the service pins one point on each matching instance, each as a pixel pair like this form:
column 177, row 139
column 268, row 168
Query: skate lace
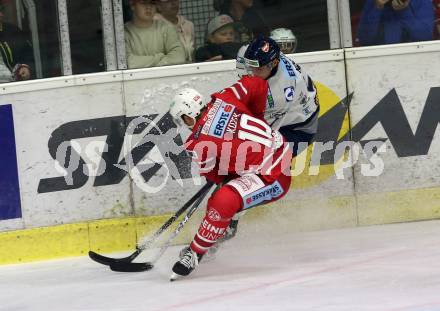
column 188, row 260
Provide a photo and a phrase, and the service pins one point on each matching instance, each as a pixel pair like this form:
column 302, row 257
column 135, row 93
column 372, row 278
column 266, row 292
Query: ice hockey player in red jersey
column 238, row 151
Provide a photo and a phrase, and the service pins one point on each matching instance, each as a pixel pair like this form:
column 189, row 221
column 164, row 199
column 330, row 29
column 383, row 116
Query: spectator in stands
column 15, row 50
column 150, row 42
column 168, row 10
column 396, row 21
column 249, row 22
column 221, row 42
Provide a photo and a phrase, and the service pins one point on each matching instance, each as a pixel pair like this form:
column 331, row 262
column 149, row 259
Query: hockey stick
column 128, row 266
column 108, row 260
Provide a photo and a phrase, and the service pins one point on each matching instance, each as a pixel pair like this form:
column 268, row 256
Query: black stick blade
column 106, row 260
column 131, row 266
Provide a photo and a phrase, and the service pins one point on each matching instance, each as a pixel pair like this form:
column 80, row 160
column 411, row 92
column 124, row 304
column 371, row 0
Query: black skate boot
column 187, row 263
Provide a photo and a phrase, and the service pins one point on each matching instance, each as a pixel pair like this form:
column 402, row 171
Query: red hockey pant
column 241, row 193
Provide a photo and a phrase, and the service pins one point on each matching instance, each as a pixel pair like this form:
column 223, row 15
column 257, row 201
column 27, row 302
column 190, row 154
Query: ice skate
column 187, row 263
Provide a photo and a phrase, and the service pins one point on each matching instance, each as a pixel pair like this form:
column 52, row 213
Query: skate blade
column 174, row 276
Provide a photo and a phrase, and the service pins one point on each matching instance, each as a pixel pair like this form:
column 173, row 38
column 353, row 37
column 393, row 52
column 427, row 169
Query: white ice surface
column 392, row 267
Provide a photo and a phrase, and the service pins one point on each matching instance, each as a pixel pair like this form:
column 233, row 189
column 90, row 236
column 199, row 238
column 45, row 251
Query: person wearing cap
column 221, row 42
column 168, row 11
column 15, row 50
column 150, row 42
column 249, row 22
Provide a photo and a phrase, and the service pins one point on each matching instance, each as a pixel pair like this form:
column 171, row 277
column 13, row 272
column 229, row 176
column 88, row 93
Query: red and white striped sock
column 209, row 232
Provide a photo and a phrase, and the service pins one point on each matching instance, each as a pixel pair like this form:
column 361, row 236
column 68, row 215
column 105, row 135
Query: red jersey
column 228, row 142
column 249, row 94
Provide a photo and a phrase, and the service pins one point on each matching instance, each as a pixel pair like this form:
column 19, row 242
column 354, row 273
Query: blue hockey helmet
column 261, row 51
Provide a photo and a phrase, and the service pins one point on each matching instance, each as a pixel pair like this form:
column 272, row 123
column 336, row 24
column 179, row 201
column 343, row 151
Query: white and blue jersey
column 292, row 99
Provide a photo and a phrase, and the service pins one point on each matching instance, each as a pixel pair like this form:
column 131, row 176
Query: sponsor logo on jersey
column 264, row 194
column 270, row 103
column 232, row 125
column 308, row 106
column 221, row 120
column 289, row 92
column 227, row 108
column 276, row 115
column 288, row 67
column 210, row 116
column 214, row 215
column 307, row 111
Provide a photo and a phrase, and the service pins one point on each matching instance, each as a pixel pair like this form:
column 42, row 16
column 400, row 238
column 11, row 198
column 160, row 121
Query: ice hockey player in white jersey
column 292, row 103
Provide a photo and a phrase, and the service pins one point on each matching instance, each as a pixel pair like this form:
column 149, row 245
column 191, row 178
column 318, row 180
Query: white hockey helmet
column 240, row 65
column 285, row 39
column 186, row 102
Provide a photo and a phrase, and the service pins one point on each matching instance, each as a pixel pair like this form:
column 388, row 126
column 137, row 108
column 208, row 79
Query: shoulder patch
column 269, row 103
column 289, row 93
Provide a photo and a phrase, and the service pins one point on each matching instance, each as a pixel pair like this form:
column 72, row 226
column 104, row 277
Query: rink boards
column 386, row 97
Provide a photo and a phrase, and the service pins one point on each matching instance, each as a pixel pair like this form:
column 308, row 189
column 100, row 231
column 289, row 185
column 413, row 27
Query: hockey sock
column 222, row 206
